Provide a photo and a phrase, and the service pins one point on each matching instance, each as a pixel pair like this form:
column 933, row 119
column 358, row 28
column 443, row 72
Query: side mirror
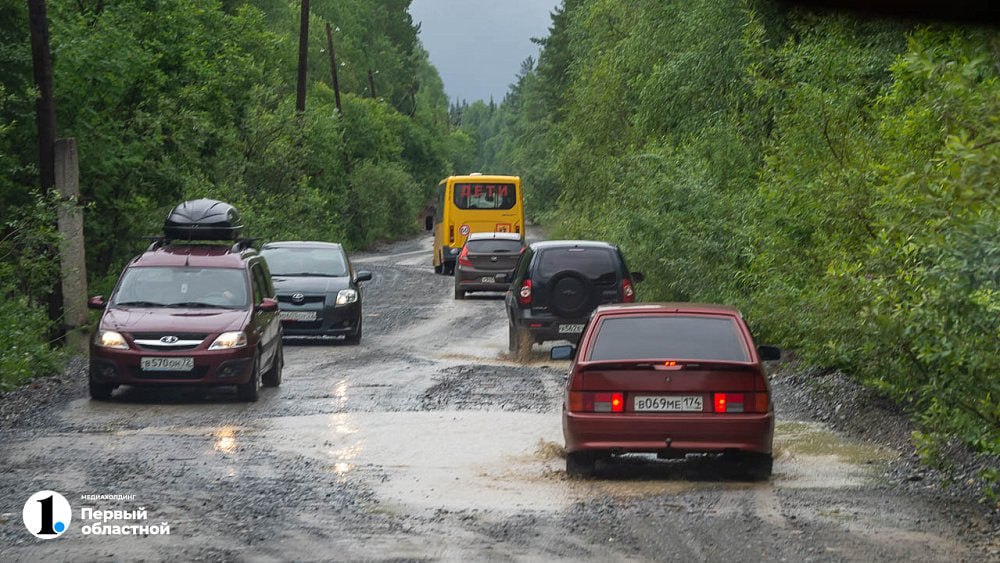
column 769, row 353
column 96, row 302
column 429, row 223
column 562, row 352
column 268, row 305
column 364, row 275
column 637, row 277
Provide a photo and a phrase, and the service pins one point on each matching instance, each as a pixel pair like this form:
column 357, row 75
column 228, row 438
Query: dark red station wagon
column 669, row 379
column 200, row 314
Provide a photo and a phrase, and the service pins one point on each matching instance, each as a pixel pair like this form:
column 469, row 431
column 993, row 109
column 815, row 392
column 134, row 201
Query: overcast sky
column 478, row 45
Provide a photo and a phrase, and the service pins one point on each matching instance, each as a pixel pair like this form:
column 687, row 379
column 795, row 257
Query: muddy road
column 428, row 442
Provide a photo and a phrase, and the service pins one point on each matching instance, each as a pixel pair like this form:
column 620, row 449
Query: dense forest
column 180, row 99
column 834, row 176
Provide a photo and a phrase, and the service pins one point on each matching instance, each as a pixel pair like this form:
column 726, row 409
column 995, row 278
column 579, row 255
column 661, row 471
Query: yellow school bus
column 473, row 203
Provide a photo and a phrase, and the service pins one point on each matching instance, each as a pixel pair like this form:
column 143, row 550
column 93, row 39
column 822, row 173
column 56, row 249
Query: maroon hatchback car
column 669, row 379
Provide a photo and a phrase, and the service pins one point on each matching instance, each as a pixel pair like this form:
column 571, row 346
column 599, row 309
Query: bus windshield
column 485, row 196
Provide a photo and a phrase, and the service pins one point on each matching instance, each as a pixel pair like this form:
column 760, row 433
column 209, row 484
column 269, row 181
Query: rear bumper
column 545, row 327
column 471, row 279
column 687, row 433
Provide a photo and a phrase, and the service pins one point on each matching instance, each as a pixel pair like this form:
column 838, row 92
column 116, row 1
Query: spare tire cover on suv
column 571, row 295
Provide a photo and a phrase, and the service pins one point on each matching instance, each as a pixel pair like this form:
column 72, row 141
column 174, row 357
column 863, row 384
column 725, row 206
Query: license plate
column 489, row 279
column 167, row 364
column 297, row 315
column 570, row 329
column 672, row 403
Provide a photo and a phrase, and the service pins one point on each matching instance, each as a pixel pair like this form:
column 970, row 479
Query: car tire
column 577, row 282
column 580, row 464
column 273, row 376
column 515, row 340
column 439, row 269
column 354, row 339
column 752, row 466
column 758, row 467
column 249, row 392
column 100, row 391
column 459, row 294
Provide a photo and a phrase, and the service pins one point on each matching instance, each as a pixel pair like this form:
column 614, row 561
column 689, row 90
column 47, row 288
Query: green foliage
column 834, row 177
column 196, row 98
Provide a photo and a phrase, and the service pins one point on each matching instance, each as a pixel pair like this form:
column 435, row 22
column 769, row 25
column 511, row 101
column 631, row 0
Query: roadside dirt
column 427, row 441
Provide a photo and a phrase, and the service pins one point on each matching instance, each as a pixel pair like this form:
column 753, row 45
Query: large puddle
column 511, row 462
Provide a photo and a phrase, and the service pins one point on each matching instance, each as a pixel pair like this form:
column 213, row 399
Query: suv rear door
column 573, row 281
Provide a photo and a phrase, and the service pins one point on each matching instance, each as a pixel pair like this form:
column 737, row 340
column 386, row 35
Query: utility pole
column 300, row 93
column 45, row 121
column 333, row 67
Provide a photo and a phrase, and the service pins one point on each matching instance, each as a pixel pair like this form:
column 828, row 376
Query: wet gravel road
column 427, row 442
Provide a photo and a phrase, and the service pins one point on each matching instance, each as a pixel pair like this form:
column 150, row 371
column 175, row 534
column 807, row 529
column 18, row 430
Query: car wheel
column 459, row 294
column 514, row 339
column 580, row 464
column 439, row 269
column 752, row 466
column 758, row 467
column 100, row 391
column 354, row 339
column 273, row 376
column 250, row 391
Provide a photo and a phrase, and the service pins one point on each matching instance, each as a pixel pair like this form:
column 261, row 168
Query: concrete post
column 71, row 249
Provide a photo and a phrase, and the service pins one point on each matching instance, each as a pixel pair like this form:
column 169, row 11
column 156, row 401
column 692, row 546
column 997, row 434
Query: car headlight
column 111, row 339
column 228, row 340
column 347, row 296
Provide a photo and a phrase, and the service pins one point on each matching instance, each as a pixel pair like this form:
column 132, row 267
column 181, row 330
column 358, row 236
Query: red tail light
column 463, row 258
column 628, row 293
column 740, row 402
column 596, row 402
column 451, row 233
column 524, row 294
column 517, row 229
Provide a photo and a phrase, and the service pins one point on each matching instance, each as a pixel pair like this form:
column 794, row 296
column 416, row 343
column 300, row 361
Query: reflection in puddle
column 810, row 455
column 340, row 393
column 225, row 440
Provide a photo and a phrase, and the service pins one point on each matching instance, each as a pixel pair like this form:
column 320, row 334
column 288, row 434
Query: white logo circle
column 47, row 514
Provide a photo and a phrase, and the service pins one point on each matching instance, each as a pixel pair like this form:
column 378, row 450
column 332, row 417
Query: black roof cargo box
column 203, row 219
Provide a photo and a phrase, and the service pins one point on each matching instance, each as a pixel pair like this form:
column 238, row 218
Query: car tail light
column 463, row 258
column 524, row 294
column 517, row 229
column 596, row 402
column 740, row 402
column 628, row 294
column 451, row 233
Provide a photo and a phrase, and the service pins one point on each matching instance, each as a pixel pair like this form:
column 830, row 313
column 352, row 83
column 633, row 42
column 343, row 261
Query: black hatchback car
column 557, row 284
column 487, row 262
column 319, row 292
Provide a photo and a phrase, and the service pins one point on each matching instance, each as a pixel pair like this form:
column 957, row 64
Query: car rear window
column 596, row 263
column 679, row 337
column 494, row 246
